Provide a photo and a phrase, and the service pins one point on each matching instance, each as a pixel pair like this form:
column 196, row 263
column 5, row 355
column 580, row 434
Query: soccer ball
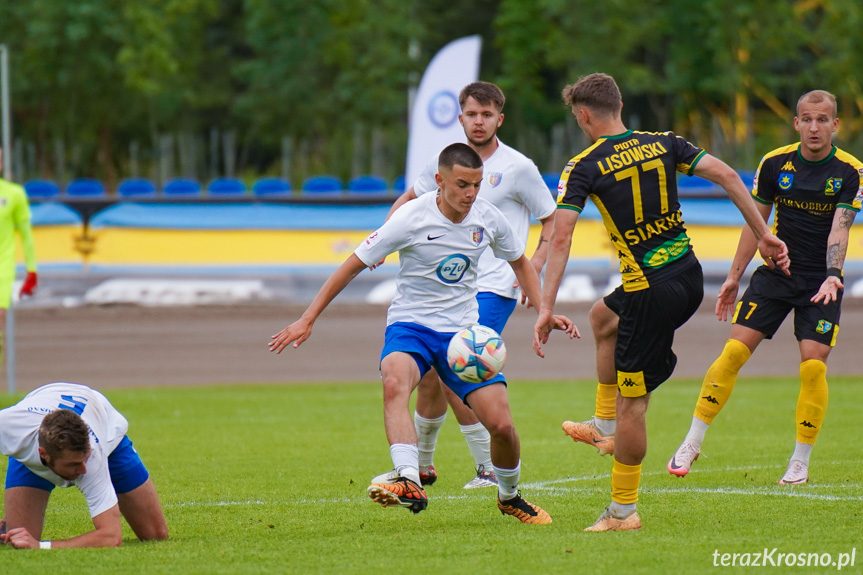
column 476, row 354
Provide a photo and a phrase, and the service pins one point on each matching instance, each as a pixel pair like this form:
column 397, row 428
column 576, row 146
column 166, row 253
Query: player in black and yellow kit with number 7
column 816, row 188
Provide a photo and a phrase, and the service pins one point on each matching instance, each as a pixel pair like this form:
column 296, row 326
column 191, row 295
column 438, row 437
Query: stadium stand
column 136, row 188
column 271, row 187
column 41, row 189
column 85, row 187
column 227, row 187
column 693, row 186
column 182, row 188
column 367, row 185
column 323, row 185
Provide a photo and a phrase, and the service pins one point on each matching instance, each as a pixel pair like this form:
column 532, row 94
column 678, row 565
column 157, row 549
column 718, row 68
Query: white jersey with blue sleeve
column 437, row 277
column 512, row 182
column 19, row 437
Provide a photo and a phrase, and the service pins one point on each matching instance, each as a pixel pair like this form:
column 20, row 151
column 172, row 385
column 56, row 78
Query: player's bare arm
column 837, row 248
column 301, row 330
column 772, row 249
column 540, row 256
column 558, row 255
column 529, row 280
column 107, row 533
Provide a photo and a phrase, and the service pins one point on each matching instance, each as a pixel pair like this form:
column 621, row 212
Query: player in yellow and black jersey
column 816, row 189
column 630, row 177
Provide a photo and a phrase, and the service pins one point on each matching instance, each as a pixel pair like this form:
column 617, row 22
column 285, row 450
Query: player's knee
column 602, row 322
column 502, row 431
column 395, row 389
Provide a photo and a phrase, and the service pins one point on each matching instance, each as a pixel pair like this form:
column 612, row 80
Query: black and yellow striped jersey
column 631, row 178
column 806, row 195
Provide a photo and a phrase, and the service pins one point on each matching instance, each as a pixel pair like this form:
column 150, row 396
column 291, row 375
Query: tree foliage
column 332, row 75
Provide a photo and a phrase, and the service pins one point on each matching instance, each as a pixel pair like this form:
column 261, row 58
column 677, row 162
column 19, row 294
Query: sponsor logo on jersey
column 494, row 179
column 453, row 268
column 824, row 326
column 788, row 167
column 476, row 235
column 785, row 180
column 667, row 252
column 833, row 186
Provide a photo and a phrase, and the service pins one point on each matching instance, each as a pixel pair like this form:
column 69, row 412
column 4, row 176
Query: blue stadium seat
column 182, row 188
column 85, row 188
column 551, row 179
column 41, row 189
column 323, row 186
column 367, row 185
column 136, row 188
column 693, row 186
column 271, row 187
column 399, row 184
column 227, row 187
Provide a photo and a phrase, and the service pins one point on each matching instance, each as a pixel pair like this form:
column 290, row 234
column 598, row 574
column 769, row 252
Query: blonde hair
column 816, row 97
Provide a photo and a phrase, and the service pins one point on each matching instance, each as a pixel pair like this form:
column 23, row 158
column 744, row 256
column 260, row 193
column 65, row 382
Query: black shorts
column 772, row 295
column 645, row 332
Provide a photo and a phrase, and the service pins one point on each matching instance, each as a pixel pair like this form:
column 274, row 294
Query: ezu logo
column 453, row 268
column 443, row 109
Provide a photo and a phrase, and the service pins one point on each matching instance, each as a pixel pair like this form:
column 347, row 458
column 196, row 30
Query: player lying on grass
column 439, row 238
column 64, row 434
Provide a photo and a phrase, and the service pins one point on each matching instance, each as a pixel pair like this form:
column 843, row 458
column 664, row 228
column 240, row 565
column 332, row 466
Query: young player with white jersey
column 440, row 238
column 512, row 182
column 65, row 434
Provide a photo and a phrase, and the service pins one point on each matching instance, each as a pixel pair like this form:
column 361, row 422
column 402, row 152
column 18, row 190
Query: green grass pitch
column 272, row 479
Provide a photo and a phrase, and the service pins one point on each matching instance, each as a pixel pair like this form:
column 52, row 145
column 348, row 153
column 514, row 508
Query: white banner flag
column 434, row 117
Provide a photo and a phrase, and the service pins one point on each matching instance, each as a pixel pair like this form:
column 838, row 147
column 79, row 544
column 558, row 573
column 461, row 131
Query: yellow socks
column 719, row 380
column 812, row 401
column 624, row 483
column 606, row 396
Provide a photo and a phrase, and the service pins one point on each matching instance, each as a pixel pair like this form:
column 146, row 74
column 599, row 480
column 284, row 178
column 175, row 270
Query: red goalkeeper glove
column 29, row 285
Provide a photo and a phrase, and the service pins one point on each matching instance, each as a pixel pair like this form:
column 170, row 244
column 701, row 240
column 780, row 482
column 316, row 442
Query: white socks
column 605, row 426
column 427, row 432
column 507, row 480
column 802, row 451
column 697, row 431
column 405, row 461
column 479, row 443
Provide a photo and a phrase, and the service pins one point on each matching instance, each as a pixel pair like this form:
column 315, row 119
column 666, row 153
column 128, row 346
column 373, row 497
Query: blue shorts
column 494, row 310
column 126, row 468
column 428, row 348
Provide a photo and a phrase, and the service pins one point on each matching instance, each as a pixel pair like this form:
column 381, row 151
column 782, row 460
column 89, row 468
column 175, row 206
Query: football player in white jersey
column 440, row 238
column 512, row 182
column 65, row 434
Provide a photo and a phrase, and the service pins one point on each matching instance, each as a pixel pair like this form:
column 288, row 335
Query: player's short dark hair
column 483, row 92
column 459, row 155
column 64, row 430
column 597, row 91
column 816, row 97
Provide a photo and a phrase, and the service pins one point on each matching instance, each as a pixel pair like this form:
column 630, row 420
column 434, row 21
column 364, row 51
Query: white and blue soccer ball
column 476, row 354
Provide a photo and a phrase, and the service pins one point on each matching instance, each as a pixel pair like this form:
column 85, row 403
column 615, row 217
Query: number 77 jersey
column 631, row 179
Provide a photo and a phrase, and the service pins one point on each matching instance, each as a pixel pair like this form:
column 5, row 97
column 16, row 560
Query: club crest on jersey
column 476, row 235
column 494, row 179
column 785, row 180
column 833, row 186
column 824, row 326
